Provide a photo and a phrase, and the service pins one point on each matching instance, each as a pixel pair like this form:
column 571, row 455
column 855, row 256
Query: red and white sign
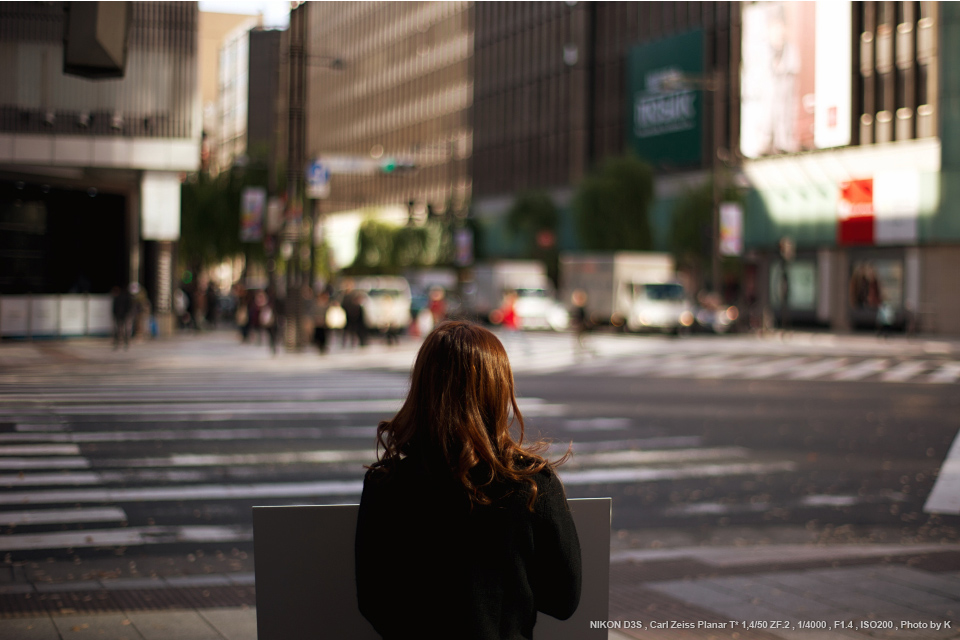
column 855, row 212
column 879, row 210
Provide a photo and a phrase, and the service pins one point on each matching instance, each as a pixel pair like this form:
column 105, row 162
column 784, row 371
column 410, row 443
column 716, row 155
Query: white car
column 386, row 302
column 660, row 306
column 537, row 309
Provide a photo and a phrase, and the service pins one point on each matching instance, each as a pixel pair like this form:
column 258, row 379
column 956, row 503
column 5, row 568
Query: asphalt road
column 161, row 452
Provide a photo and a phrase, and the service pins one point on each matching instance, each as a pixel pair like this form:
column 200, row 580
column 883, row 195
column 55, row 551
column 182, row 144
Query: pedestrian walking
column 212, row 302
column 459, row 523
column 388, row 325
column 336, row 320
column 266, row 313
column 120, row 309
column 510, row 321
column 580, row 318
column 321, row 308
column 355, row 331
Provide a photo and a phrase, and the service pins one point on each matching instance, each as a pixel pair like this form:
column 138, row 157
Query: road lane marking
column 655, row 457
column 904, row 371
column 817, row 368
column 125, row 537
column 861, row 369
column 47, row 479
column 773, row 368
column 732, row 368
column 630, row 475
column 38, row 449
column 7, row 464
column 196, row 492
column 62, row 516
column 947, row 373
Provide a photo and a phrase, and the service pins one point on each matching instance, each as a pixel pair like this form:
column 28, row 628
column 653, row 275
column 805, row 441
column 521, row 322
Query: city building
column 248, row 96
column 556, row 91
column 90, row 167
column 215, row 30
column 852, row 213
column 388, row 85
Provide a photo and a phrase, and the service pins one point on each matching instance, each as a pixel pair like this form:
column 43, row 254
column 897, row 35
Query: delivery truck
column 635, row 290
column 536, row 304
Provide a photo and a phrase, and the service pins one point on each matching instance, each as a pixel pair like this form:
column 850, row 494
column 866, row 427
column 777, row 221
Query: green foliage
column 210, row 219
column 612, row 206
column 534, row 219
column 532, row 212
column 691, row 226
column 384, row 248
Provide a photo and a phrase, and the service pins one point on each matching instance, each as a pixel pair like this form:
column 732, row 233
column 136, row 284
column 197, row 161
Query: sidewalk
column 695, row 592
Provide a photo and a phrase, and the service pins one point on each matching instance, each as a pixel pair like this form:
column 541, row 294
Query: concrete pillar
column 164, row 288
column 840, row 292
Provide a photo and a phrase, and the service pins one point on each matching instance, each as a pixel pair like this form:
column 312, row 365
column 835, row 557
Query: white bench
column 303, row 559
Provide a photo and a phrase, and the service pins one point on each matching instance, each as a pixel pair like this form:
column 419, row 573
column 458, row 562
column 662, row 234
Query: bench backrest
column 303, row 558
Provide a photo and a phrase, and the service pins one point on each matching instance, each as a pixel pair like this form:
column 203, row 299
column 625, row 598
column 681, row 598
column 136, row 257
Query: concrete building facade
column 553, row 98
column 388, row 81
column 90, row 170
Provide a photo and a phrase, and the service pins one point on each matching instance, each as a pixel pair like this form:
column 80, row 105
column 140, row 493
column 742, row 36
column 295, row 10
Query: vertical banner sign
column 274, row 215
column 731, row 229
column 855, row 213
column 463, row 245
column 665, row 103
column 253, row 204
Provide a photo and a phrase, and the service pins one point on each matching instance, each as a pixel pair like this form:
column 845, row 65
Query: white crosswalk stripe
column 947, row 373
column 627, row 356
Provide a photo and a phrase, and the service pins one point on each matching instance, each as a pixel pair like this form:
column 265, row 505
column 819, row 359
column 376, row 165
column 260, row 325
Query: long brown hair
column 456, row 417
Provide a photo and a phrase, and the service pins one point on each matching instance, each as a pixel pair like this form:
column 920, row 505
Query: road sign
column 318, row 180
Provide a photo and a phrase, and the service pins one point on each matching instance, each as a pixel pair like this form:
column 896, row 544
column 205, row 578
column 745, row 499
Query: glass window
column 800, row 284
column 876, row 282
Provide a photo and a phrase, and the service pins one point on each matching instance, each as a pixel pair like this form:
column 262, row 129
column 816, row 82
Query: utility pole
column 295, row 160
column 717, row 87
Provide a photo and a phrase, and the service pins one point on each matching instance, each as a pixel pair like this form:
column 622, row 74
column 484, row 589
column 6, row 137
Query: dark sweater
column 429, row 566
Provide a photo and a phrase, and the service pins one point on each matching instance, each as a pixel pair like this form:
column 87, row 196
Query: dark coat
column 429, row 565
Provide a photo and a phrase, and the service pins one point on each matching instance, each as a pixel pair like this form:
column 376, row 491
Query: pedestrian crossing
column 627, row 356
column 111, row 461
column 103, row 467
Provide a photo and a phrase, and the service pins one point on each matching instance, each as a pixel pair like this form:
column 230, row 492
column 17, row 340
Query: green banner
column 665, row 103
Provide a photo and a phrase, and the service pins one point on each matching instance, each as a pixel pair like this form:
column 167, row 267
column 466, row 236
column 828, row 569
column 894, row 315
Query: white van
column 386, row 302
column 659, row 306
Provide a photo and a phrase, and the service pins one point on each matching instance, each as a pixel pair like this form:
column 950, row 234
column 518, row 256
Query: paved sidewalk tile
column 169, row 625
column 233, row 624
column 29, row 629
column 104, row 626
column 880, row 593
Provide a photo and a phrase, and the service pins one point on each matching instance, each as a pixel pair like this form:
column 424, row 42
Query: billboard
column 665, row 108
column 795, row 77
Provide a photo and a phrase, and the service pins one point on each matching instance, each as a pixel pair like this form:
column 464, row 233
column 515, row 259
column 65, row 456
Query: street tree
column 612, row 206
column 534, row 220
column 210, row 219
column 691, row 229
